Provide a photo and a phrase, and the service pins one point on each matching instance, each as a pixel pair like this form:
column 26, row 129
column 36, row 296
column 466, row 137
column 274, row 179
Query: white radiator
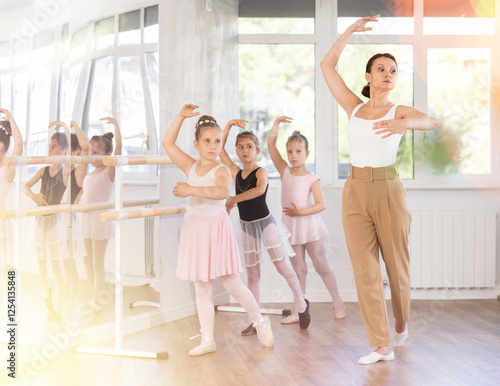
column 453, row 249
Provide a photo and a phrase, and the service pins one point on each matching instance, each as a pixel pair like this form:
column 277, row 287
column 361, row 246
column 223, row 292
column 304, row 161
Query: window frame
column 326, row 34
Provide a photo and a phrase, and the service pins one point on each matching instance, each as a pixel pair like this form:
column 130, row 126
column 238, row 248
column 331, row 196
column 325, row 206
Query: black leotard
column 256, row 208
column 52, row 188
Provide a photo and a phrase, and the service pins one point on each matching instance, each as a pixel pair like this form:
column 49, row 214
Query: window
column 100, row 95
column 108, row 67
column 130, row 28
column 271, row 87
column 104, row 33
column 39, row 110
column 396, row 15
column 132, row 109
column 459, row 17
column 151, row 30
column 445, row 75
column 68, row 86
column 462, row 145
column 276, row 16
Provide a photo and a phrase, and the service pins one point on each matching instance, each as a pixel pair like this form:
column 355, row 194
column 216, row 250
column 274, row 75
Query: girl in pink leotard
column 301, row 214
column 97, row 187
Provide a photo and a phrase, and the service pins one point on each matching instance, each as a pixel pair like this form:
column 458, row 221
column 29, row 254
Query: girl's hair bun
column 5, row 126
column 206, row 120
column 109, row 135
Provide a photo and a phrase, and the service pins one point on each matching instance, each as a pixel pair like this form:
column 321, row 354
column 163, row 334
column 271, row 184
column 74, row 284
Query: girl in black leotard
column 48, row 233
column 262, row 231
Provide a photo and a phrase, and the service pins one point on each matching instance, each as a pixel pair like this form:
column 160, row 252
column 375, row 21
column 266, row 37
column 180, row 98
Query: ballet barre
column 119, row 160
column 65, row 208
column 140, row 213
column 54, row 159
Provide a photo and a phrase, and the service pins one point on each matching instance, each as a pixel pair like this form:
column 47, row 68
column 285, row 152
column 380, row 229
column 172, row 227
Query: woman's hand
column 360, row 24
column 390, row 127
column 292, row 212
column 187, row 111
column 182, row 190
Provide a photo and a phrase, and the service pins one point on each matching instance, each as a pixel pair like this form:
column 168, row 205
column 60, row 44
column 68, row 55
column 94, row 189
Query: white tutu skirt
column 74, row 232
column 48, row 237
column 6, row 240
column 266, row 234
column 305, row 229
column 207, row 248
column 94, row 228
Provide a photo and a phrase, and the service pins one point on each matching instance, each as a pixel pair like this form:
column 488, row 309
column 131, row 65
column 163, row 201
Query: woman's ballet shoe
column 305, row 317
column 264, row 331
column 375, row 357
column 48, row 302
column 207, row 345
column 400, row 338
column 340, row 314
column 290, row 319
column 250, row 330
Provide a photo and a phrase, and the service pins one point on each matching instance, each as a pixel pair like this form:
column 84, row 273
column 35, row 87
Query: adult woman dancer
column 374, row 211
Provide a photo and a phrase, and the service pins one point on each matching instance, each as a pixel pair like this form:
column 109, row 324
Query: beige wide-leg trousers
column 375, row 217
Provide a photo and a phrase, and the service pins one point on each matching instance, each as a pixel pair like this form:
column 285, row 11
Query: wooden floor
column 451, row 342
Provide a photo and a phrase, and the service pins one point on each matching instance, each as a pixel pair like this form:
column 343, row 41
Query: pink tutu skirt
column 266, row 234
column 207, row 248
column 305, row 229
column 95, row 229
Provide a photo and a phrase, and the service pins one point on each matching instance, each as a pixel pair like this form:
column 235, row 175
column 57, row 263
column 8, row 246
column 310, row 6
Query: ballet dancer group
column 375, row 215
column 57, row 239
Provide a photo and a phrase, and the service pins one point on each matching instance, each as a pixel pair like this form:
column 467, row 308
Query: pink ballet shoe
column 207, row 345
column 340, row 314
column 375, row 357
column 290, row 319
column 264, row 331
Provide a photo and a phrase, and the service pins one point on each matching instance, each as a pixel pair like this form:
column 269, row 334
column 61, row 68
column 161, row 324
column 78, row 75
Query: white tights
column 94, row 265
column 205, row 300
column 317, row 252
column 253, row 278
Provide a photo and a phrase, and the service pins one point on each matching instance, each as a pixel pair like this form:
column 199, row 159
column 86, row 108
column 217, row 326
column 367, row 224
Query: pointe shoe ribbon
column 375, row 357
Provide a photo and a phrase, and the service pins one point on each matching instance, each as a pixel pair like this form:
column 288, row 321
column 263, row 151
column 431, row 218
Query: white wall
column 465, row 199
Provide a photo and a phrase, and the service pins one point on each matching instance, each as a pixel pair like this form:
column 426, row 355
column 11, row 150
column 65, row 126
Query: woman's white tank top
column 367, row 148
